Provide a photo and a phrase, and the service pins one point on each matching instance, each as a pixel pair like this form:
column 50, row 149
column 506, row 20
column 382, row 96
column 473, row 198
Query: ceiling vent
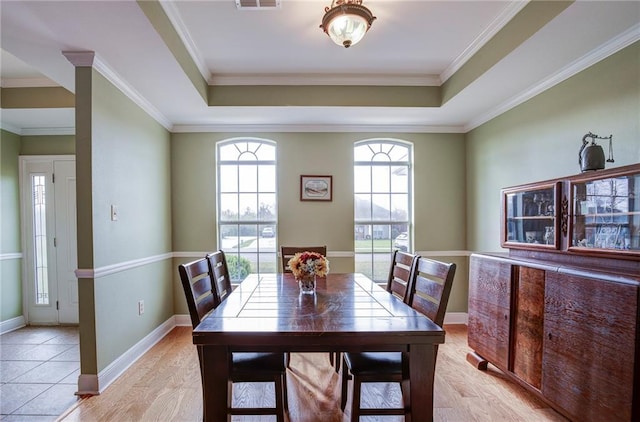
column 257, row 4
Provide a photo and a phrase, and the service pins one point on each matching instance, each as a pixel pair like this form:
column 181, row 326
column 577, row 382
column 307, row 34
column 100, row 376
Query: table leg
column 421, row 372
column 215, row 375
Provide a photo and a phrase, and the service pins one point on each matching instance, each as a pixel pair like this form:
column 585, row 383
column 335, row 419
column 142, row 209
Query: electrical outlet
column 114, row 213
column 140, row 307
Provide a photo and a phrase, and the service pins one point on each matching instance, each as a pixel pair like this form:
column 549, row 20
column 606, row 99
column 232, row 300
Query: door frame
column 26, row 232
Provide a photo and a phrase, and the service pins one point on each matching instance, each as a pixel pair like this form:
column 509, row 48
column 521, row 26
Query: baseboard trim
column 92, row 384
column 456, row 318
column 12, row 324
column 183, row 320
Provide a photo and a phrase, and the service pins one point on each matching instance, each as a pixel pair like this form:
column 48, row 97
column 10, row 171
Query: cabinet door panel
column 528, row 325
column 589, row 346
column 489, row 304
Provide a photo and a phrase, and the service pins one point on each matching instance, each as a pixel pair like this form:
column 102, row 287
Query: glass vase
column 307, row 284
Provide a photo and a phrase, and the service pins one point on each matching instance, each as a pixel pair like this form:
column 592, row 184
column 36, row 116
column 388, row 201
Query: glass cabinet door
column 530, row 217
column 606, row 214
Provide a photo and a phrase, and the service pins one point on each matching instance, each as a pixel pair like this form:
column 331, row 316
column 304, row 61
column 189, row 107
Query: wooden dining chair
column 400, row 272
column 428, row 292
column 287, row 252
column 220, row 274
column 200, row 288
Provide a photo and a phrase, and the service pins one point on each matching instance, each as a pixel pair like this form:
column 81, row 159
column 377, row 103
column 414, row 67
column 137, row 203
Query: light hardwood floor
column 164, row 385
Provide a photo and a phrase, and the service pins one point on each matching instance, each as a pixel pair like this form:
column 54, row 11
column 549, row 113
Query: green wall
column 10, row 243
column 48, row 145
column 439, row 204
column 129, row 167
column 540, row 139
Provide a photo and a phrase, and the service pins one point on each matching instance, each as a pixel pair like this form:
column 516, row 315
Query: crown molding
column 40, row 82
column 38, row 131
column 315, row 128
column 179, row 26
column 510, row 10
column 318, row 79
column 80, row 58
column 10, row 128
column 113, row 77
column 605, row 50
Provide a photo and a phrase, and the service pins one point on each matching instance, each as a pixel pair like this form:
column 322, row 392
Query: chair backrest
column 198, row 289
column 287, row 252
column 402, row 268
column 220, row 274
column 430, row 288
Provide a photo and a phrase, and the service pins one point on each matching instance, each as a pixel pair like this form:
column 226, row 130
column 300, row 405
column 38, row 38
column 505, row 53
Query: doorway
column 48, row 211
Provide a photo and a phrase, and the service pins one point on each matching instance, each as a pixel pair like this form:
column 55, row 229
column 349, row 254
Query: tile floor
column 39, row 369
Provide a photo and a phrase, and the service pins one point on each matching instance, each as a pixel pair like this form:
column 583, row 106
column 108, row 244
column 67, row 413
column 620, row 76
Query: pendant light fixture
column 346, row 21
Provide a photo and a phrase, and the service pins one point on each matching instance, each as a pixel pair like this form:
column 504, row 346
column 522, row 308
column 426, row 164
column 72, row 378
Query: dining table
column 348, row 312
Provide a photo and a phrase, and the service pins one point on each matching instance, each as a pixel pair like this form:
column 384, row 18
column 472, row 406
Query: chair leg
column 279, row 387
column 406, row 395
column 345, row 385
column 337, row 359
column 285, row 394
column 287, row 359
column 355, row 400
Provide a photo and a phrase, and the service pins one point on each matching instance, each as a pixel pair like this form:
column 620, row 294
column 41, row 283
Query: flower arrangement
column 309, row 263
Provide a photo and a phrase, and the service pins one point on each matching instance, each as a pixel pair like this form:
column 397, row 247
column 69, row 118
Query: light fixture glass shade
column 347, row 30
column 346, row 21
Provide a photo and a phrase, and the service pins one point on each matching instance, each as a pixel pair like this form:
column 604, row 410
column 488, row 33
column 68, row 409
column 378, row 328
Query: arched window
column 382, row 203
column 247, row 205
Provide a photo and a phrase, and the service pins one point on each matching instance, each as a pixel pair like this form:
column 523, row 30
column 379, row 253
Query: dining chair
column 287, row 252
column 220, row 276
column 200, row 288
column 400, row 272
column 428, row 292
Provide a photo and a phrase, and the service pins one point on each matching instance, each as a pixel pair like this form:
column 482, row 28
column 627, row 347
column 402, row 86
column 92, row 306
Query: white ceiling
column 412, row 42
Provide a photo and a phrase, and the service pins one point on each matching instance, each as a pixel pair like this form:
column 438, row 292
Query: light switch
column 114, row 213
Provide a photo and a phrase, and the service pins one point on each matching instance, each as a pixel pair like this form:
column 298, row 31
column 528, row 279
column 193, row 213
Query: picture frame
column 316, row 188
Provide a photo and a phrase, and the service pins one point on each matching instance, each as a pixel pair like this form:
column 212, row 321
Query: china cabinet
column 559, row 313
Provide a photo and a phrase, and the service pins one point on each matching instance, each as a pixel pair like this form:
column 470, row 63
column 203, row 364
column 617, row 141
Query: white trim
column 315, row 79
column 316, row 128
column 181, row 29
column 508, row 13
column 605, row 50
column 10, row 128
column 48, row 131
column 196, row 254
column 122, row 266
column 41, row 82
column 80, row 58
column 182, row 320
column 10, row 255
column 427, row 254
column 113, row 77
column 92, row 384
column 12, row 324
column 456, row 318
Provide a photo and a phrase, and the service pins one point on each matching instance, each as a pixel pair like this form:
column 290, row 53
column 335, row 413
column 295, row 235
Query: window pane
column 40, row 240
column 228, row 152
column 381, row 207
column 399, row 179
column 228, row 178
column 362, row 153
column 248, row 178
column 362, row 179
column 248, row 206
column 399, row 207
column 380, row 179
column 228, row 207
column 267, row 210
column 363, row 207
column 267, row 178
column 266, row 152
column 399, row 153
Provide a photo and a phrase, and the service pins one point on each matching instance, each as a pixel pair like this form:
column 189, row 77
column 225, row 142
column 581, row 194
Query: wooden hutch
column 560, row 312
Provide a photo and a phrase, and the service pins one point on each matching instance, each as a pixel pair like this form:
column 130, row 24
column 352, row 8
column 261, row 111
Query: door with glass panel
column 48, row 189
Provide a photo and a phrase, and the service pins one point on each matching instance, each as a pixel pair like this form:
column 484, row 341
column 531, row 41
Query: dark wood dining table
column 348, row 312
